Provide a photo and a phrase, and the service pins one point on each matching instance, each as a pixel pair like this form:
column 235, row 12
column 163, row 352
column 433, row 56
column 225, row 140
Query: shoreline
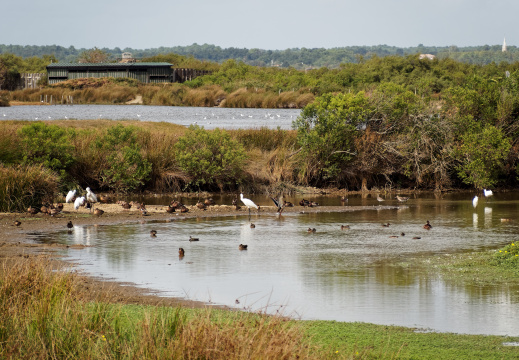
column 17, row 246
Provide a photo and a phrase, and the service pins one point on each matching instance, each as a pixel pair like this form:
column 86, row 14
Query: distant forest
column 298, row 58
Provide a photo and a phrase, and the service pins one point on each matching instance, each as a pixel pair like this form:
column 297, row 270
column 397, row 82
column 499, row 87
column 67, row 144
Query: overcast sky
column 266, row 24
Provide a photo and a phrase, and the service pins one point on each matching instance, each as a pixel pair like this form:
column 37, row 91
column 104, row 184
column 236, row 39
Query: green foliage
column 482, row 153
column 326, row 130
column 507, row 257
column 124, row 168
column 4, row 99
column 210, row 157
column 49, row 145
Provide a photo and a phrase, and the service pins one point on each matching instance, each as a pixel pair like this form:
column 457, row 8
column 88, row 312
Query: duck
column 243, row 247
column 345, row 227
column 402, row 198
column 402, row 234
column 288, row 204
column 70, row 225
column 98, row 212
column 304, row 202
column 170, row 209
column 310, row 230
column 209, row 202
column 252, row 226
column 176, row 204
column 416, row 237
column 193, row 239
column 427, row 226
column 201, row 205
column 32, row 211
column 153, row 233
column 184, row 209
column 181, row 252
column 105, row 199
column 17, row 223
column 125, row 205
column 344, row 199
column 386, row 225
column 393, row 236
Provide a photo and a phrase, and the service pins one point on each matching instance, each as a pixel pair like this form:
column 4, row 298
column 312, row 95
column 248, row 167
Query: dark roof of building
column 108, row 65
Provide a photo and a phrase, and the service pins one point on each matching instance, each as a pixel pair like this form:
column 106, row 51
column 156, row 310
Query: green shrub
column 210, row 157
column 49, row 145
column 24, row 186
column 124, row 168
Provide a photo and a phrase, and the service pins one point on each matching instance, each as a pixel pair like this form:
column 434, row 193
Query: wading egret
column 248, row 202
column 475, row 201
column 78, row 202
column 487, row 193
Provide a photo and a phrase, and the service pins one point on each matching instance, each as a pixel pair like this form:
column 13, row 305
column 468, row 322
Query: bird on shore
column 193, row 239
column 249, row 203
column 280, row 204
column 70, row 196
column 170, row 209
column 243, row 247
column 379, row 198
column 80, row 201
column 427, row 226
column 209, row 202
column 201, row 205
column 475, row 201
column 90, row 197
column 17, row 223
column 98, row 212
column 32, row 211
column 287, row 204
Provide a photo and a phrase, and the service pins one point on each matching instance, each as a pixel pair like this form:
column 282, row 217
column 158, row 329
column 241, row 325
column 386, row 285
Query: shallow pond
column 360, row 274
column 209, row 118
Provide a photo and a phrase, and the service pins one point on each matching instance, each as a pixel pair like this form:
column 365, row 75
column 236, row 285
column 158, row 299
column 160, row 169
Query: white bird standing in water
column 248, row 202
column 70, row 196
column 475, row 201
column 487, row 193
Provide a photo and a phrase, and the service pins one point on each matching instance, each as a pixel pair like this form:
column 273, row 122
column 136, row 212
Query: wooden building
column 146, row 72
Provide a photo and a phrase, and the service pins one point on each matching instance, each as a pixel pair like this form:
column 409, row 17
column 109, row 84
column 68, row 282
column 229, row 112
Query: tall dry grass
column 24, row 186
column 42, row 316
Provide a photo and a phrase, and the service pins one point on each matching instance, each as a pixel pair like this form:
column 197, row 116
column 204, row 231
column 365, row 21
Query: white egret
column 248, row 202
column 475, row 201
column 70, row 196
column 90, row 195
column 487, row 193
column 79, row 201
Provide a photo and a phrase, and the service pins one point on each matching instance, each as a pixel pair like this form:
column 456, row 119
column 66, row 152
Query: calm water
column 361, row 274
column 209, row 118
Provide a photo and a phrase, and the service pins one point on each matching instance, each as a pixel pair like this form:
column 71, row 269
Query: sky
column 266, row 24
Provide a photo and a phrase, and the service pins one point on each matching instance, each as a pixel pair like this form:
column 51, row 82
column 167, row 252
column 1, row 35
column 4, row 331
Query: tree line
column 299, row 58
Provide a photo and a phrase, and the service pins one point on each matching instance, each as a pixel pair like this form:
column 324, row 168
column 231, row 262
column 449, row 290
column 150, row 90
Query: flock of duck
column 89, row 199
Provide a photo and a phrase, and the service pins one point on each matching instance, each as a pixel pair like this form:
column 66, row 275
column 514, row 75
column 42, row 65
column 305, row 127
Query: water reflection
column 360, row 274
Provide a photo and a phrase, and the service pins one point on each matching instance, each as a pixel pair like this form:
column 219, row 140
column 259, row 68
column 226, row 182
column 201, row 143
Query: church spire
column 503, row 49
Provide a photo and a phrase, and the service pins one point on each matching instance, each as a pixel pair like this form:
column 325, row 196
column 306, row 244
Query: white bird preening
column 248, row 202
column 70, row 196
column 79, row 201
column 487, row 193
column 475, row 201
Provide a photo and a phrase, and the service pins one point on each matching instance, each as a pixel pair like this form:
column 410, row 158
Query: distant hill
column 299, row 58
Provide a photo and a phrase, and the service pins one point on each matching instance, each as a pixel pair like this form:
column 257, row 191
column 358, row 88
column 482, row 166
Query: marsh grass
column 42, row 315
column 23, row 186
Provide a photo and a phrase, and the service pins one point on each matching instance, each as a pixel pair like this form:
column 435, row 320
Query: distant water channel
column 362, row 274
column 209, row 118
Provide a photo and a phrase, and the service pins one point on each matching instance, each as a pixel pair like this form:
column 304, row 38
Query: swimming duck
column 310, row 230
column 427, row 226
column 181, row 252
column 153, row 233
column 386, row 225
column 243, row 247
column 345, row 227
column 193, row 239
column 252, row 226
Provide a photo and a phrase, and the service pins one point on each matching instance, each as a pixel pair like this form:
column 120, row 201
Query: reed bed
column 24, row 186
column 44, row 314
